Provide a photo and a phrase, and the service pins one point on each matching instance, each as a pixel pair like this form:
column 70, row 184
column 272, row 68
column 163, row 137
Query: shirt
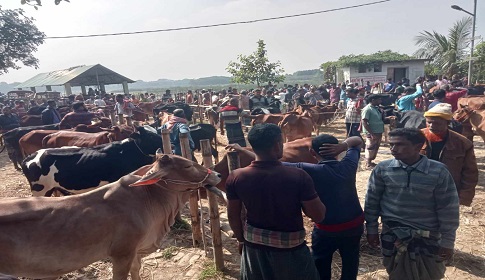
column 231, row 117
column 453, row 96
column 406, row 103
column 272, row 194
column 422, row 196
column 125, row 109
column 99, row 102
column 352, row 115
column 335, row 184
column 175, row 136
column 374, row 116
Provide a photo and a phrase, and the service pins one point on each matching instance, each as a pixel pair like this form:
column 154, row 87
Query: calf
column 123, row 221
column 73, row 170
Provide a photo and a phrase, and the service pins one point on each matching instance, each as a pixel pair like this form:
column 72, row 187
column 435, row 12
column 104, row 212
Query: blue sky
column 299, row 43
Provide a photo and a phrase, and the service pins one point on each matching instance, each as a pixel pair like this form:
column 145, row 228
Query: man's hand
column 373, row 240
column 445, row 253
column 234, row 147
column 332, row 150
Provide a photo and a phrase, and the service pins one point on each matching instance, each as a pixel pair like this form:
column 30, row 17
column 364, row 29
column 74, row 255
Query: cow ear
column 159, row 152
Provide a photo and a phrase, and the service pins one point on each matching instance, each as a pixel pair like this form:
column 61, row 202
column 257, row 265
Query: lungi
column 235, row 134
column 372, row 145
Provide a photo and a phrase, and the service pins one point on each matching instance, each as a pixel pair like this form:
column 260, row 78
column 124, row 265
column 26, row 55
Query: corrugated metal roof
column 77, row 76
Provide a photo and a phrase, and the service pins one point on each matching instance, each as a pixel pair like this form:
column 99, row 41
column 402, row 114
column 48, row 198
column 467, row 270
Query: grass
column 209, row 271
column 181, row 225
column 169, row 252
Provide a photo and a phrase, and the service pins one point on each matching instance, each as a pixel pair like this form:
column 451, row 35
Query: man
column 8, row 120
column 79, row 115
column 98, row 102
column 124, row 109
column 452, row 149
column 439, row 97
column 244, row 100
column 335, row 184
column 373, row 127
column 50, row 115
column 189, row 98
column 272, row 241
column 178, row 124
column 299, row 97
column 418, row 205
column 90, row 100
column 406, row 101
column 452, row 95
column 230, row 118
column 389, row 86
column 334, row 93
column 257, row 101
column 368, row 86
column 352, row 114
column 399, row 89
column 312, row 97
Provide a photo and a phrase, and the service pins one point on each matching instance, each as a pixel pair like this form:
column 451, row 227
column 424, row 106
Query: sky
column 298, row 43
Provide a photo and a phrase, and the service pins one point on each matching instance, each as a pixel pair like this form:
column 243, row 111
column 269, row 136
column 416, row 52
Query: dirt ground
column 177, row 259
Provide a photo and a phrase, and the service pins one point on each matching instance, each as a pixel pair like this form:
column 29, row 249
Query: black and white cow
column 74, row 170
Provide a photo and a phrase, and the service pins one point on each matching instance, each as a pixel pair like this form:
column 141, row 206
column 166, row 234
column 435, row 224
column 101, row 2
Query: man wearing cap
column 406, row 101
column 176, row 125
column 257, row 101
column 452, row 149
column 373, row 127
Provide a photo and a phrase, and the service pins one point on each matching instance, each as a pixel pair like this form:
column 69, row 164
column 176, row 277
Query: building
column 379, row 73
column 77, row 76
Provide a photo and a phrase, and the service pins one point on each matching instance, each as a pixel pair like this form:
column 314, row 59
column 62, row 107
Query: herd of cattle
column 124, row 202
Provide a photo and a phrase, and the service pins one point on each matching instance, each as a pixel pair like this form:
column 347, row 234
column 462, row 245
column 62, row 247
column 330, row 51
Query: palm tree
column 446, row 51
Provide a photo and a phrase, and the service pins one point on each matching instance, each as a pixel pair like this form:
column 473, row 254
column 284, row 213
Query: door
column 399, row 73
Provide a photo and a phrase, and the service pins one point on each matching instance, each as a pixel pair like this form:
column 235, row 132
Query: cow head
column 462, row 114
column 179, row 174
column 147, row 141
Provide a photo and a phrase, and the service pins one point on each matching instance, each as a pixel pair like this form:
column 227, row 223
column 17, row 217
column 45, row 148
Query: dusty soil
column 177, row 259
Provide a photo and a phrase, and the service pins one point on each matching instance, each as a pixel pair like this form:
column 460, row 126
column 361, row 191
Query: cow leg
column 135, row 268
column 122, row 266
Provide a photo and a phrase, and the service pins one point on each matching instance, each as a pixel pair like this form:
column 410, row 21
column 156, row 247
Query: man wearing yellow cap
column 452, row 149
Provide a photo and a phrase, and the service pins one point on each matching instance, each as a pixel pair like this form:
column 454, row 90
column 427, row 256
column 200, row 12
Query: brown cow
column 122, row 221
column 473, row 102
column 295, row 151
column 147, row 107
column 32, row 141
column 80, row 139
column 476, row 118
column 319, row 114
column 295, row 127
column 269, row 118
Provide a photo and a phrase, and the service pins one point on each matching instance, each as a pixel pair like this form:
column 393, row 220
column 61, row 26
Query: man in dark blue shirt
column 334, row 182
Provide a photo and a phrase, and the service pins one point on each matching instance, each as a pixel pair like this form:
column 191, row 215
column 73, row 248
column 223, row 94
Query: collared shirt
column 406, row 103
column 374, row 116
column 422, row 196
column 352, row 114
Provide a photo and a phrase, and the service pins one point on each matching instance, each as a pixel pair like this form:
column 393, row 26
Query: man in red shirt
column 272, row 241
column 453, row 94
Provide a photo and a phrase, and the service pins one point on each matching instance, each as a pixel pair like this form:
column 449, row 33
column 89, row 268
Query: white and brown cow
column 123, row 221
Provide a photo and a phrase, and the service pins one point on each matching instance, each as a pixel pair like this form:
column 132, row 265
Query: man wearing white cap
column 452, row 149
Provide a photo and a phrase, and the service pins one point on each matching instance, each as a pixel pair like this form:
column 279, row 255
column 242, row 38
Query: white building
column 396, row 70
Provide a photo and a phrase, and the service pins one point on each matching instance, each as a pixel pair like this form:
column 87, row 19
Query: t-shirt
column 374, row 117
column 272, row 194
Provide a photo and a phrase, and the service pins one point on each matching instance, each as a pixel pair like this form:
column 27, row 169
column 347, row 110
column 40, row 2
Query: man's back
column 272, row 189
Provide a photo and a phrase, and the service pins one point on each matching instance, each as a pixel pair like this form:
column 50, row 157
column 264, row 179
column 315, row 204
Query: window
column 377, row 67
column 362, row 69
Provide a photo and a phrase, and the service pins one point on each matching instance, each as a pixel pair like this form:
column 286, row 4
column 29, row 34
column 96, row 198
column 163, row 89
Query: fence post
column 167, row 146
column 213, row 210
column 193, row 200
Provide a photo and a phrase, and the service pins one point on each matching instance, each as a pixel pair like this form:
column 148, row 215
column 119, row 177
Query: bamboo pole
column 167, row 146
column 234, row 163
column 213, row 211
column 193, row 200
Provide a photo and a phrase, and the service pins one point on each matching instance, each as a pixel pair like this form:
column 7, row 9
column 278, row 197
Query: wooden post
column 167, row 146
column 213, row 210
column 193, row 200
column 201, row 115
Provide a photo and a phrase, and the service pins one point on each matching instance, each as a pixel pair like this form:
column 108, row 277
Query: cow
column 122, row 221
column 81, row 139
column 12, row 137
column 473, row 102
column 295, row 127
column 74, row 170
column 266, row 118
column 476, row 119
column 295, row 151
column 319, row 114
column 32, row 141
column 148, row 107
column 205, row 131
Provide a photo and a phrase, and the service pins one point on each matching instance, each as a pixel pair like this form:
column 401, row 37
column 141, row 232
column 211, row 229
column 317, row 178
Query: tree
column 19, row 38
column 447, row 52
column 478, row 72
column 256, row 68
column 36, row 3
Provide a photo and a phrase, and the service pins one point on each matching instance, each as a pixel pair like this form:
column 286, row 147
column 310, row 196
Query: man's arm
column 372, row 208
column 311, row 204
column 469, row 178
column 447, row 209
column 234, row 208
column 239, row 149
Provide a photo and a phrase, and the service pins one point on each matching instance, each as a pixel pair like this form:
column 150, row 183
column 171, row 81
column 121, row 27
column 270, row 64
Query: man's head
column 7, row 110
column 257, row 92
column 179, row 113
column 51, row 103
column 266, row 140
column 78, row 107
column 351, row 93
column 439, row 94
column 409, row 90
column 374, row 99
column 234, row 102
column 320, row 140
column 438, row 118
column 406, row 143
column 445, row 87
column 120, row 97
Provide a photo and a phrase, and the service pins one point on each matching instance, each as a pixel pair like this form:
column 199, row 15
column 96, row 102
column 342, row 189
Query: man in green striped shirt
column 417, row 201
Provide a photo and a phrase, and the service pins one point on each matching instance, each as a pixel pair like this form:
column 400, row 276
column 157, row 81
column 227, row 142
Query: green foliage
column 431, row 69
column 478, row 71
column 19, row 38
column 447, row 52
column 210, row 272
column 367, row 60
column 256, row 68
column 170, row 252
